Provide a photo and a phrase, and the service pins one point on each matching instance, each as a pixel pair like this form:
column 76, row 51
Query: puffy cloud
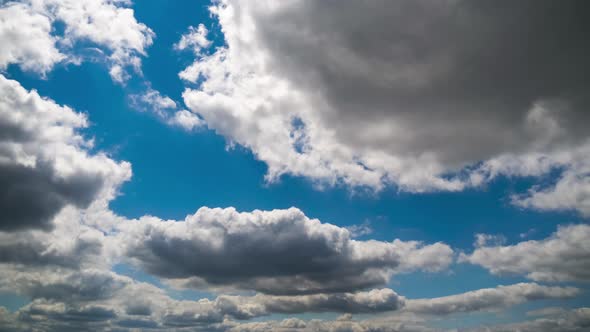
column 26, row 39
column 195, row 39
column 564, row 256
column 314, row 95
column 44, row 162
column 26, row 29
column 185, row 120
column 570, row 192
column 488, row 299
column 278, row 252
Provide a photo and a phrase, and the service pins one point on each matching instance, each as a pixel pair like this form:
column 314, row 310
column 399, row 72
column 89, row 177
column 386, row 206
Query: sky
column 182, row 165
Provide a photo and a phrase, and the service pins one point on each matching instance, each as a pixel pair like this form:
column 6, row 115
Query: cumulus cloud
column 570, row 192
column 185, row 120
column 488, row 299
column 314, row 95
column 26, row 28
column 277, row 252
column 44, row 161
column 564, row 256
column 26, row 39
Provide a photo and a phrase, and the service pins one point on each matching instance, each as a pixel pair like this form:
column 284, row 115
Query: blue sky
column 176, row 171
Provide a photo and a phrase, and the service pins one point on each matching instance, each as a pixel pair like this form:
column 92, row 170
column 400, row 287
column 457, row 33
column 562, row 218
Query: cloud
column 27, row 29
column 573, row 320
column 488, row 299
column 44, row 162
column 152, row 100
column 400, row 108
column 360, row 229
column 276, row 252
column 165, row 109
column 570, row 192
column 564, row 256
column 373, row 301
column 26, row 39
column 185, row 120
column 195, row 39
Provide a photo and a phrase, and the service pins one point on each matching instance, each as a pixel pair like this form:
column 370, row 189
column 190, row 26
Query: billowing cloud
column 27, row 31
column 564, row 256
column 44, row 162
column 278, row 252
column 424, row 96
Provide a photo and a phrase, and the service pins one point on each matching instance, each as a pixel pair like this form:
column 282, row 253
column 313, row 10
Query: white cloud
column 152, row 100
column 186, row 120
column 165, row 109
column 26, row 39
column 27, row 28
column 195, row 39
column 565, row 256
column 488, row 299
column 570, row 192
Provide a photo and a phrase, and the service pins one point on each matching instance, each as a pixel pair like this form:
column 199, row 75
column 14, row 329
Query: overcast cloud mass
column 294, row 165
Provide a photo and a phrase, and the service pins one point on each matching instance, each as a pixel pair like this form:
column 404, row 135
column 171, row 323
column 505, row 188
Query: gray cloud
column 564, row 256
column 277, row 252
column 575, row 320
column 425, row 96
column 101, row 300
column 44, row 163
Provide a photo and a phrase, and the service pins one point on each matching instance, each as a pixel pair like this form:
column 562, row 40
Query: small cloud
column 195, row 39
column 360, row 229
column 489, row 240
